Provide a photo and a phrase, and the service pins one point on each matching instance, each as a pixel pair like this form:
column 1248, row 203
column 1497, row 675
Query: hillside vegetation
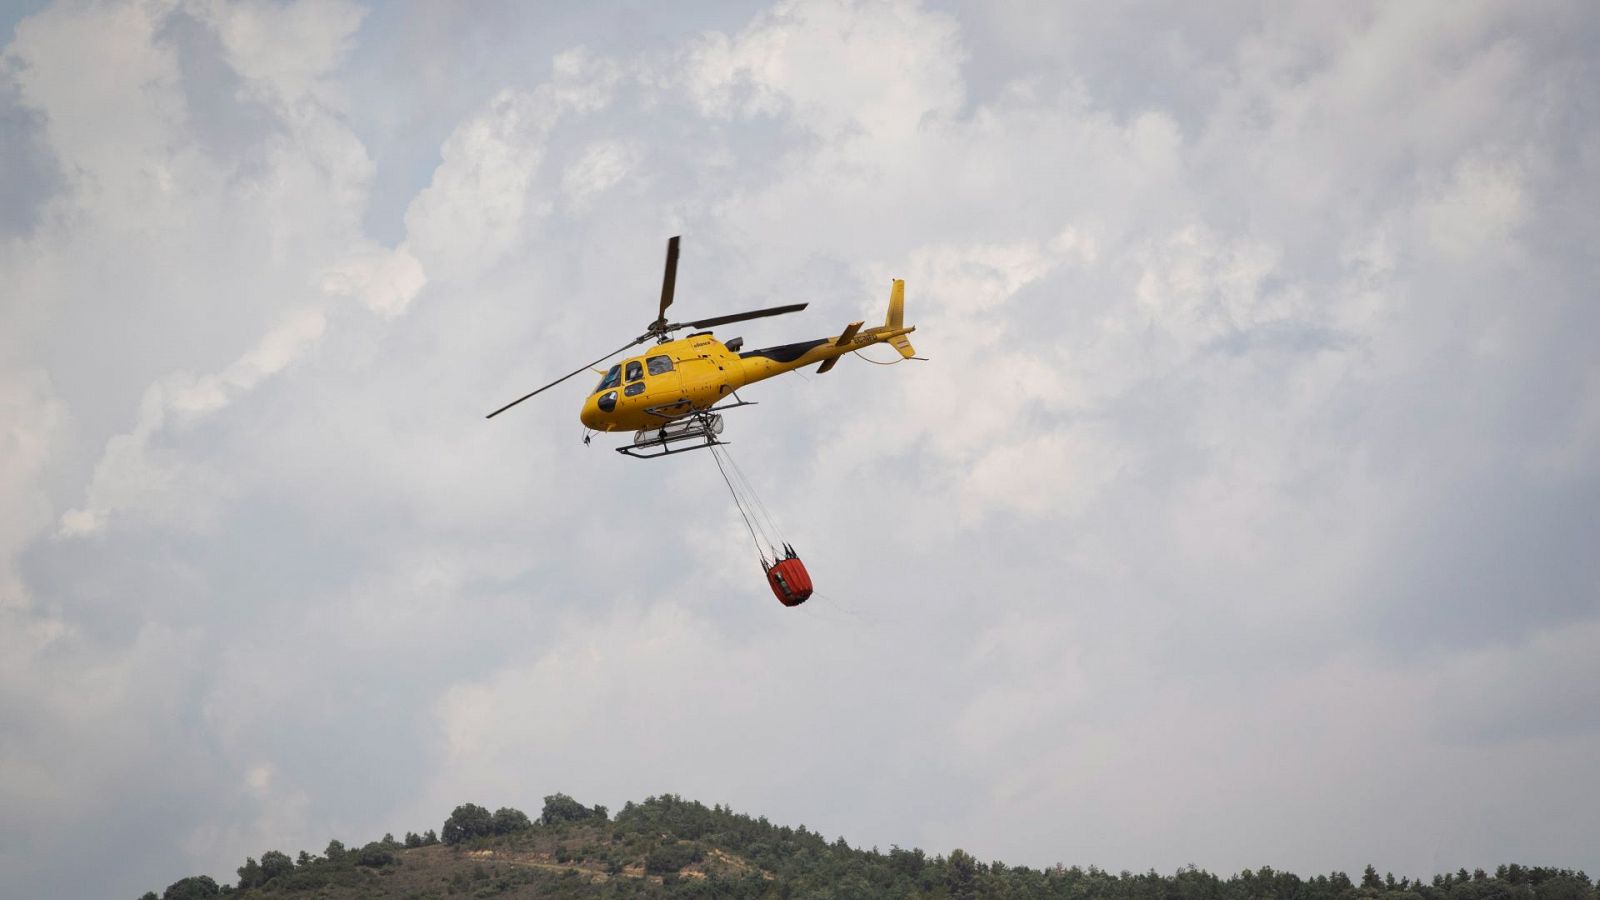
column 667, row 847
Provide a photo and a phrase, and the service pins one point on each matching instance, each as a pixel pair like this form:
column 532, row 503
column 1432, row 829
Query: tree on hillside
column 195, row 887
column 506, row 820
column 961, row 875
column 274, row 864
column 906, row 862
column 1567, row 885
column 249, row 873
column 469, row 820
column 375, row 855
column 335, row 851
column 560, row 808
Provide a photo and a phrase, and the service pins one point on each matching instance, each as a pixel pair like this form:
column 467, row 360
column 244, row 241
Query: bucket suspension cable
column 742, row 500
column 786, row 574
column 764, row 518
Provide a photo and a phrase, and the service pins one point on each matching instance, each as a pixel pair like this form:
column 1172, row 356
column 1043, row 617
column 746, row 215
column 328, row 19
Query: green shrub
column 195, row 887
column 375, row 855
column 274, row 864
column 671, row 857
column 507, row 820
column 469, row 820
column 560, row 808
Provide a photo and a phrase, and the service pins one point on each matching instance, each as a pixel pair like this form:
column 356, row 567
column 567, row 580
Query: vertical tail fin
column 897, row 305
column 896, row 319
column 893, row 331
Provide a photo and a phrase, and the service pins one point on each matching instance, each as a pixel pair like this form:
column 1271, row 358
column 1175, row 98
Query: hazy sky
column 1246, row 513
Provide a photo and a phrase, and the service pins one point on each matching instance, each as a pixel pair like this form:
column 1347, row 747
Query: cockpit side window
column 612, row 379
column 635, row 371
column 659, row 365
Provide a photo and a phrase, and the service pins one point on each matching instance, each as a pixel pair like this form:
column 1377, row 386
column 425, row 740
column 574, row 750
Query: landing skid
column 694, row 433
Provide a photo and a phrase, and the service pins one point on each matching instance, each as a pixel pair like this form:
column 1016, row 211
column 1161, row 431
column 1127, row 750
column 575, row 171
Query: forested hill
column 667, row 847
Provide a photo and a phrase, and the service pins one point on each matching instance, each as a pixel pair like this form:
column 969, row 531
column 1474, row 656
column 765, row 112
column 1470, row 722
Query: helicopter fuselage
column 689, row 377
column 692, row 374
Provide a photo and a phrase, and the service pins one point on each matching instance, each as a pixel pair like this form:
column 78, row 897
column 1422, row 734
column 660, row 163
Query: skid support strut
column 677, row 436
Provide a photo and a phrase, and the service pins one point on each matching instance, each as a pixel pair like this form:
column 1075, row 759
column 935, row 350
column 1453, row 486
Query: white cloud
column 1478, row 209
column 1251, row 461
column 474, row 211
column 1196, row 292
column 1053, row 475
column 1545, row 686
column 286, row 50
column 673, row 656
column 600, row 168
column 277, row 808
column 384, row 280
column 110, row 124
column 307, row 208
column 835, row 66
column 30, row 423
column 129, row 473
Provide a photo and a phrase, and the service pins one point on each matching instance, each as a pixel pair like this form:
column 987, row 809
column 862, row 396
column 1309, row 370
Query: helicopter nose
column 595, row 410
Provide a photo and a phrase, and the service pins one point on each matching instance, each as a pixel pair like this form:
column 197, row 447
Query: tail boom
column 763, row 364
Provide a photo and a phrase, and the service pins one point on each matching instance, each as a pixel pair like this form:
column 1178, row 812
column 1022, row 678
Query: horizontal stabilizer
column 841, row 341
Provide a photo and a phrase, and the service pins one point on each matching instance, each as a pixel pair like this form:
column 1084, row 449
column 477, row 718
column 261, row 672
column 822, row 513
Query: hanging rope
column 716, row 455
column 757, row 518
column 764, row 516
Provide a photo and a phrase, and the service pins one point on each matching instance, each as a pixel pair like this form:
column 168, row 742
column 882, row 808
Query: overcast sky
column 1246, row 512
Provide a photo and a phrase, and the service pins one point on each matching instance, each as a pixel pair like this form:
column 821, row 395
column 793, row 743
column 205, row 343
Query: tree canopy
column 560, row 808
column 469, row 820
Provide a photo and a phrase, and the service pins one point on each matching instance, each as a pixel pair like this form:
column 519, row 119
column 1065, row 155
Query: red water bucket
column 790, row 581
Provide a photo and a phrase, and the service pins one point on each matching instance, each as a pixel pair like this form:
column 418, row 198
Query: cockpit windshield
column 612, row 379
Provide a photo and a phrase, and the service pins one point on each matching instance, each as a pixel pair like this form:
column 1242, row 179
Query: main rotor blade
column 552, row 384
column 740, row 317
column 669, row 280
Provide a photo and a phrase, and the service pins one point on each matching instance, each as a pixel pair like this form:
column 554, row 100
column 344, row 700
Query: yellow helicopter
column 672, row 397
